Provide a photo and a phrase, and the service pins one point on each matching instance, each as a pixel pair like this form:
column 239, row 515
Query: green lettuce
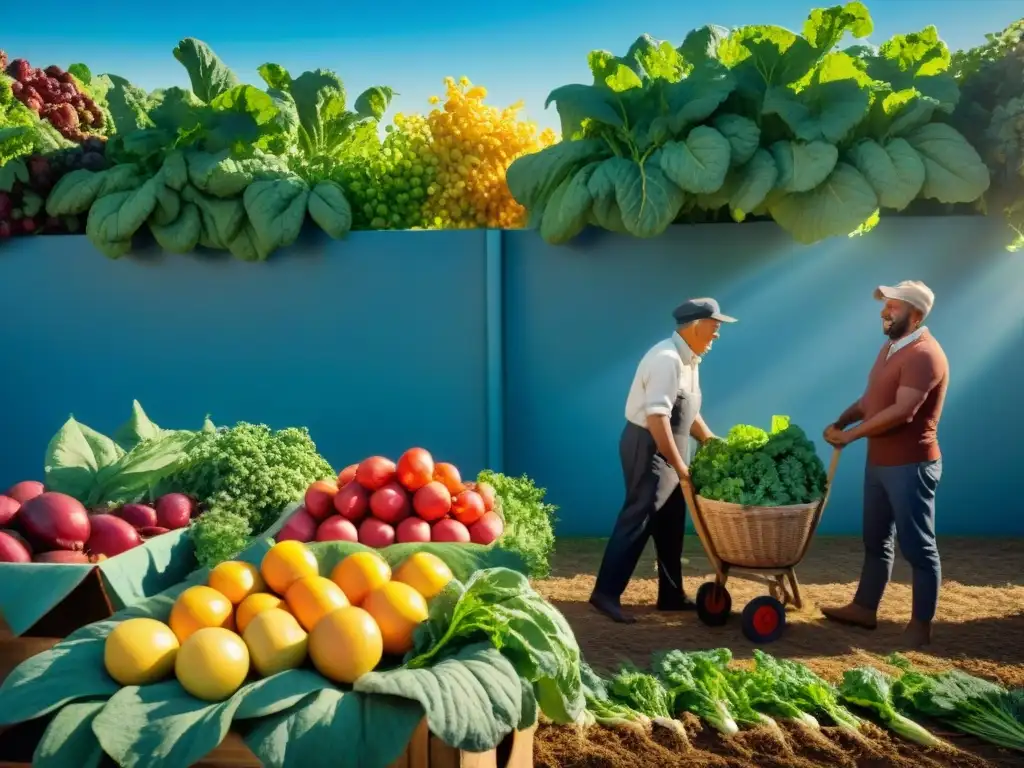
column 760, row 121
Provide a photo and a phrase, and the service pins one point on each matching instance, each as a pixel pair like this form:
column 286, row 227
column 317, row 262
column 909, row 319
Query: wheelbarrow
column 760, row 544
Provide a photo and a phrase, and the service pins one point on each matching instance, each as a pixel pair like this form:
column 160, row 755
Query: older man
column 662, row 413
column 899, row 415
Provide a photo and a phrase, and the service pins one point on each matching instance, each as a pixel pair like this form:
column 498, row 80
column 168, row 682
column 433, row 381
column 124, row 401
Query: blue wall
column 375, row 344
column 381, row 342
column 579, row 317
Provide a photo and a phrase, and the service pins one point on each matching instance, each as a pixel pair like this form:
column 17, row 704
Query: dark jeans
column 901, row 500
column 638, row 521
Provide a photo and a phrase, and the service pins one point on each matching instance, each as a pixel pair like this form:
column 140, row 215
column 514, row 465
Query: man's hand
column 684, row 474
column 839, row 438
column 830, row 432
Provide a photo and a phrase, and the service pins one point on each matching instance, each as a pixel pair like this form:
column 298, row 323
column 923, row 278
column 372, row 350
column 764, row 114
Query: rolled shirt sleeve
column 661, row 384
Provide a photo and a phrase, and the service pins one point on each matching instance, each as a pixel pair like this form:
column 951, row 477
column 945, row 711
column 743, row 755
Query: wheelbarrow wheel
column 764, row 620
column 714, row 604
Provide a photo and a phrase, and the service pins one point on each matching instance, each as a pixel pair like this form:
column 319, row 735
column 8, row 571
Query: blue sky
column 519, row 51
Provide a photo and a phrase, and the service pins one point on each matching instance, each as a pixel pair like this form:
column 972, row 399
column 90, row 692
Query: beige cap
column 913, row 292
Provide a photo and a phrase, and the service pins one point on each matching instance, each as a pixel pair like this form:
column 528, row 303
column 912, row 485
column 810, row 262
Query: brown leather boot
column 852, row 615
column 917, row 634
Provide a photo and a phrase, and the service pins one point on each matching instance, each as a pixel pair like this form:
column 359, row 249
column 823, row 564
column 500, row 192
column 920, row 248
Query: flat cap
column 700, row 309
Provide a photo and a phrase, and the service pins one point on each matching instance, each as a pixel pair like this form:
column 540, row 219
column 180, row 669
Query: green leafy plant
column 799, row 686
column 222, row 165
column 759, row 121
column 644, row 693
column 604, row 710
column 991, row 115
column 698, row 684
column 93, row 468
column 498, row 605
column 248, row 473
column 872, row 689
column 529, row 520
column 755, row 468
column 964, row 702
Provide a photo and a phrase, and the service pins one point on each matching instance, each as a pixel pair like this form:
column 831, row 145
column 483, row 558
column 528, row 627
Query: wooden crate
column 85, row 604
column 18, row 742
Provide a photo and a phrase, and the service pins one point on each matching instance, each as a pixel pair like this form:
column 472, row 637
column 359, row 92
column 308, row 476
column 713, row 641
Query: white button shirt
column 668, row 368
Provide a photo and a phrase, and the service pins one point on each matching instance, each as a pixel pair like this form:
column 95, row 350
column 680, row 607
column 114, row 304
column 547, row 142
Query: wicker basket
column 758, row 537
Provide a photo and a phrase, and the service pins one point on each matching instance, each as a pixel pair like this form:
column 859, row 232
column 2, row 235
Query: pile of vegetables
column 991, row 115
column 234, row 167
column 223, row 165
column 445, row 169
column 753, row 467
column 58, row 97
column 758, row 121
column 43, row 526
column 246, row 476
column 98, row 496
column 378, row 502
column 302, row 646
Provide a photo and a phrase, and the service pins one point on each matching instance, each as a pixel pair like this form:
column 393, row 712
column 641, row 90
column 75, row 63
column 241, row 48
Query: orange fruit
column 287, row 562
column 448, row 475
column 236, row 580
column 426, row 573
column 256, row 604
column 359, row 574
column 398, row 609
column 276, row 642
column 313, row 597
column 345, row 645
column 140, row 651
column 212, row 664
column 200, row 607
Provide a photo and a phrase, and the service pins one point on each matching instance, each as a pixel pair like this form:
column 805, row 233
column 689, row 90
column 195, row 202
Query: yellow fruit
column 313, row 597
column 275, row 641
column 287, row 562
column 199, row 607
column 359, row 574
column 398, row 609
column 345, row 645
column 140, row 651
column 426, row 573
column 254, row 605
column 212, row 664
column 236, row 580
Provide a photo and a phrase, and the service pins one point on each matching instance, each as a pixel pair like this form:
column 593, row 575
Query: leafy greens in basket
column 757, row 468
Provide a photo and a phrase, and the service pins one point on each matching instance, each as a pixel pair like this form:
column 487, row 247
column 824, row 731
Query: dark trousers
column 639, row 520
column 901, row 500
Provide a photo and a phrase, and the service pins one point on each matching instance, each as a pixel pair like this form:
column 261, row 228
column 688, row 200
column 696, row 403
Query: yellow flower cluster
column 474, row 144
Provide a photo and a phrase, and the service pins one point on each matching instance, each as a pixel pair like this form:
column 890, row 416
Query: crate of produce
column 264, row 659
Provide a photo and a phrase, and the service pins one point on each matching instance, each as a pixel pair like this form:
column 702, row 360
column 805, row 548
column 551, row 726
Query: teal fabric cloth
column 28, row 591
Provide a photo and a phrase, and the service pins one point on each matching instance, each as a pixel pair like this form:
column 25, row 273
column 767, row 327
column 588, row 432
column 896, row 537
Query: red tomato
column 448, row 475
column 352, row 502
column 320, row 498
column 468, row 507
column 415, row 468
column 375, row 472
column 347, row 475
column 432, row 501
column 390, row 503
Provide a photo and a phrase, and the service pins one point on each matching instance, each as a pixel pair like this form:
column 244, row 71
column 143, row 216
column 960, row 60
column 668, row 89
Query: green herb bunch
column 529, row 521
column 757, row 468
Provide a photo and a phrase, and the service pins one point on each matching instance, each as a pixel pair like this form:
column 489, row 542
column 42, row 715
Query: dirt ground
column 980, row 628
